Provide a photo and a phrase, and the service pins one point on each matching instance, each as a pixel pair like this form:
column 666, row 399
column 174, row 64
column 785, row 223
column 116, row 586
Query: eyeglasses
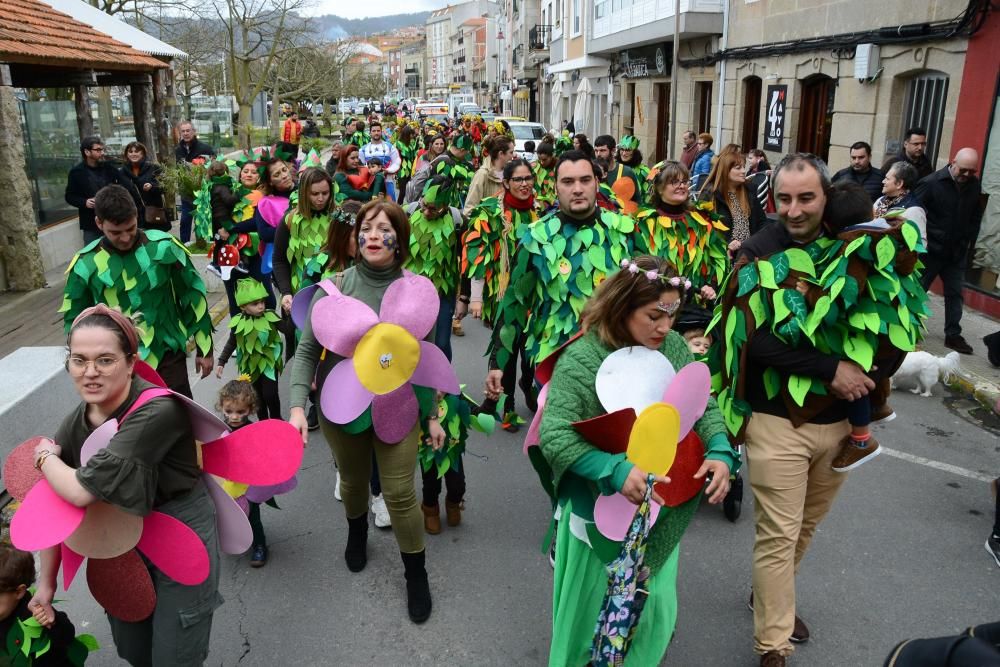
column 680, row 185
column 77, row 366
column 522, row 179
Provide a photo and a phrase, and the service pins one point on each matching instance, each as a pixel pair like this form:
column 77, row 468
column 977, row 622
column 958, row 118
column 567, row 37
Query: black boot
column 418, row 590
column 732, row 504
column 356, row 553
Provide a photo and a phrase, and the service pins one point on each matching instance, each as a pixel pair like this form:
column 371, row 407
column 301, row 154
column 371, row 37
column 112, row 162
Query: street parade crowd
column 662, row 325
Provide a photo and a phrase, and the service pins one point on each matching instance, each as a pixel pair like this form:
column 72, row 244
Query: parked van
column 457, row 99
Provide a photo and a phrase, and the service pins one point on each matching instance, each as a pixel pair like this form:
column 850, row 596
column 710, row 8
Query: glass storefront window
column 51, row 147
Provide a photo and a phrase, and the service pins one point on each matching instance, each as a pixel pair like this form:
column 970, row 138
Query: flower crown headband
column 343, row 217
column 682, row 284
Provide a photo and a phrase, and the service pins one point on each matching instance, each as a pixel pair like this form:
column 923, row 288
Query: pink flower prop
column 265, row 453
column 384, row 355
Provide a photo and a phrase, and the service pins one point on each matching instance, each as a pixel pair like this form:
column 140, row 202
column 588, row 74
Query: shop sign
column 775, row 127
column 647, row 61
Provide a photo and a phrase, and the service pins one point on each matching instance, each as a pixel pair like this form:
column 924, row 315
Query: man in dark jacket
column 85, row 179
column 793, row 483
column 950, row 196
column 861, row 171
column 189, row 148
column 914, row 146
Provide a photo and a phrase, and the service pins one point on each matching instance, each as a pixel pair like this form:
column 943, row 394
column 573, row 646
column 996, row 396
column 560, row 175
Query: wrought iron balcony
column 538, row 37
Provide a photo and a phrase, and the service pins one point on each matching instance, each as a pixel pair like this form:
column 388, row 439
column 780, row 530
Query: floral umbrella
column 383, row 355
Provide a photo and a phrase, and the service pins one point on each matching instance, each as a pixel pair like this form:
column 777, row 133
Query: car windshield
column 526, row 132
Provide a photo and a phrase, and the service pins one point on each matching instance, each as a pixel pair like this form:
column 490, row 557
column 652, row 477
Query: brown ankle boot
column 453, row 512
column 432, row 519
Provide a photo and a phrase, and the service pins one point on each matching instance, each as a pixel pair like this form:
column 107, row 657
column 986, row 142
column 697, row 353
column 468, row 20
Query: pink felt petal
column 344, row 398
column 148, row 373
column 44, row 519
column 173, row 547
column 534, row 429
column 266, row 452
column 206, row 424
column 122, row 586
column 235, row 534
column 105, row 532
column 244, row 504
column 688, row 391
column 300, row 305
column 261, row 494
column 434, row 370
column 411, row 302
column 98, row 440
column 71, row 562
column 19, row 473
column 340, row 321
column 613, row 514
column 395, row 414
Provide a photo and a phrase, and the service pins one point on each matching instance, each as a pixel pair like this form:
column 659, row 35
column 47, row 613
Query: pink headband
column 124, row 323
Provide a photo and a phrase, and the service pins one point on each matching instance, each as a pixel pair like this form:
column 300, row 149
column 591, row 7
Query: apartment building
column 441, row 28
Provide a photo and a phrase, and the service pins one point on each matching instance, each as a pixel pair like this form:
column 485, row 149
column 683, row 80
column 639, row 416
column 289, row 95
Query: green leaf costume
column 489, row 245
column 863, row 301
column 693, row 242
column 460, row 174
column 434, row 250
column 456, row 418
column 258, row 345
column 545, row 184
column 557, row 265
column 407, row 156
column 28, row 640
column 306, row 237
column 157, row 279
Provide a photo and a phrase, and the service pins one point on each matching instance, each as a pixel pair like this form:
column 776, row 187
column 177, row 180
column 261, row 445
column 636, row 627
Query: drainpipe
column 722, row 68
column 673, row 77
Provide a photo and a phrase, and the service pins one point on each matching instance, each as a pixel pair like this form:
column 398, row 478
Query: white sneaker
column 381, row 513
column 336, row 488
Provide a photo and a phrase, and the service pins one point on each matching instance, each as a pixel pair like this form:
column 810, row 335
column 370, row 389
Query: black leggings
column 454, row 479
column 259, row 539
column 268, row 403
column 996, row 513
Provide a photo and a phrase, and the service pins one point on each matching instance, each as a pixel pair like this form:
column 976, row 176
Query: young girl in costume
column 222, row 199
column 254, row 336
column 29, row 634
column 237, row 402
column 487, row 252
column 635, row 308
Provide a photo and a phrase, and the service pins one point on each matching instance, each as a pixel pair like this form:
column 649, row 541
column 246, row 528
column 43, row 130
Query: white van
column 457, row 99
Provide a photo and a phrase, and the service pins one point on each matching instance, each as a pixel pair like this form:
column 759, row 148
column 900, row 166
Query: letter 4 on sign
column 775, row 132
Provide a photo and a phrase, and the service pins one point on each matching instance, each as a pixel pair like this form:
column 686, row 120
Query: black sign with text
column 774, row 128
column 647, row 61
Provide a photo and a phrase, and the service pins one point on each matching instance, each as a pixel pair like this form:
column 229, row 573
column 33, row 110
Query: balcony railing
column 538, row 37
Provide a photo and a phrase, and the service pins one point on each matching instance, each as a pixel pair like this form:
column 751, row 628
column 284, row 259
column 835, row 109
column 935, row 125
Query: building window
column 703, row 109
column 752, row 86
column 576, row 18
column 629, row 108
column 926, row 95
column 601, row 9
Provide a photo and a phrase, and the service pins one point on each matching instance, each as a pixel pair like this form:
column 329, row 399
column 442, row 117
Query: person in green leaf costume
column 690, row 236
column 630, row 155
column 633, row 308
column 560, row 259
column 435, row 241
column 488, row 249
column 407, row 145
column 147, row 272
column 545, row 179
column 786, row 365
column 30, row 636
column 255, row 338
column 454, row 163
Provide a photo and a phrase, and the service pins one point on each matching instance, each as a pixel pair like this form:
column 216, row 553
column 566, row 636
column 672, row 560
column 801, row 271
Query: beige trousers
column 793, row 489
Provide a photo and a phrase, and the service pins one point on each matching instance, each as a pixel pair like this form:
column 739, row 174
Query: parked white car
column 525, row 131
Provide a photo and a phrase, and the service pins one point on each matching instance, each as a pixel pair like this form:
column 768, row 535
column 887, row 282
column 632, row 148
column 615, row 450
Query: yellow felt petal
column 235, row 489
column 385, row 358
column 652, row 445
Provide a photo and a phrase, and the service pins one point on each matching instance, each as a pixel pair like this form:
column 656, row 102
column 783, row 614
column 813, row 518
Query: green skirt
column 579, row 585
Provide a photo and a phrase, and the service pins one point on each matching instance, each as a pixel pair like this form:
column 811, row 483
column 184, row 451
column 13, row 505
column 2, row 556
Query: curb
column 983, row 391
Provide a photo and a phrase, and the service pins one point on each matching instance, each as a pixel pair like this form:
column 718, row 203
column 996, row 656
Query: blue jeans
column 187, row 219
column 442, row 330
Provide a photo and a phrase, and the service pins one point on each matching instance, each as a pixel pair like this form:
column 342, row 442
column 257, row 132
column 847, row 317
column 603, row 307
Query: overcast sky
column 357, row 10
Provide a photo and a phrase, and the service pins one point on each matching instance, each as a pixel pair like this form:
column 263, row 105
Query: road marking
column 937, row 465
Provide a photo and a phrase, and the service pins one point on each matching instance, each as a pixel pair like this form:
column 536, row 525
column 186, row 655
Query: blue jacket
column 700, row 168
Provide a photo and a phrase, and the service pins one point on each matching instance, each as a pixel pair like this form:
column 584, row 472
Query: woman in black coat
column 142, row 179
column 734, row 201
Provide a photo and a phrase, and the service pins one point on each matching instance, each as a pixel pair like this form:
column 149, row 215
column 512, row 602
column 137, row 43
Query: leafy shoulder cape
column 157, row 279
column 557, row 265
column 306, row 237
column 488, row 247
column 863, row 302
column 545, row 184
column 434, row 250
column 693, row 241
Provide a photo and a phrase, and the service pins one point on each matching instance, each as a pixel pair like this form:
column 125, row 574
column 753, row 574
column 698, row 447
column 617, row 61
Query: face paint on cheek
column 361, row 240
column 389, row 241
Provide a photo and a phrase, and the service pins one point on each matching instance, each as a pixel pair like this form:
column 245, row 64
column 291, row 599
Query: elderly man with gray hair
column 951, row 199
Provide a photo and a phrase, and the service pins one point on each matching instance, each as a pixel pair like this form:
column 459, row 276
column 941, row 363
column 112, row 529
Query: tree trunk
column 84, row 121
column 105, row 114
column 275, row 114
column 246, row 125
column 160, row 123
column 140, row 116
column 19, row 252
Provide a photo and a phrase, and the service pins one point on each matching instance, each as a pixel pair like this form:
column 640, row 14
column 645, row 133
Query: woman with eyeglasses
column 487, row 249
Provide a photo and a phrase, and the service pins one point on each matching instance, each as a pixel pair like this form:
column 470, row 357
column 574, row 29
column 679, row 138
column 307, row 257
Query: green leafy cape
column 692, row 242
column 489, row 245
column 556, row 267
column 456, row 418
column 407, row 155
column 460, row 174
column 157, row 279
column 306, row 237
column 258, row 345
column 28, row 640
column 545, row 184
column 434, row 250
column 863, row 302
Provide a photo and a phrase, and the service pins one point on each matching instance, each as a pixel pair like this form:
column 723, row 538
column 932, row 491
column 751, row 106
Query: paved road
column 901, row 555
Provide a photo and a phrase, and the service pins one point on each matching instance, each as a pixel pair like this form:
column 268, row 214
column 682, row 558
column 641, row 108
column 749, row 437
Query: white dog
column 920, row 371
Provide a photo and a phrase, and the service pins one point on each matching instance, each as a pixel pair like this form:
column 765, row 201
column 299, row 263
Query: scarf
column 884, row 204
column 510, row 201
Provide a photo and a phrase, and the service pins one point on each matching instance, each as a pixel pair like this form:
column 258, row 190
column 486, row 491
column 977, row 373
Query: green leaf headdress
column 628, row 143
column 312, row 160
column 462, row 140
column 437, row 191
column 563, row 143
column 249, row 290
